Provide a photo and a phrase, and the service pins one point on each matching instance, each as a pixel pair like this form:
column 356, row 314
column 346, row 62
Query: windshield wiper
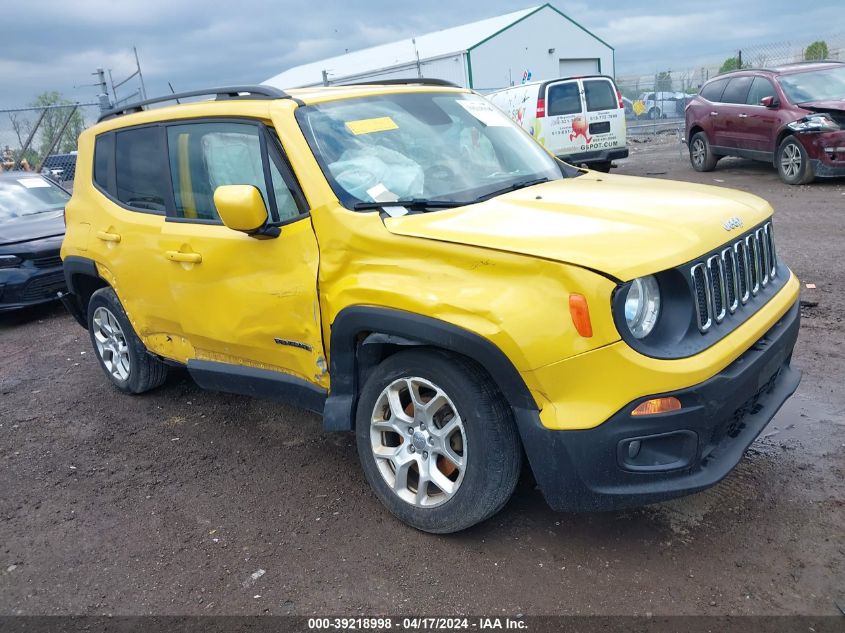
column 417, row 204
column 520, row 184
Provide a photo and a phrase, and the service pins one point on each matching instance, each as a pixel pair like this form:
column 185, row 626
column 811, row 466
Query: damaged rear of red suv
column 792, row 116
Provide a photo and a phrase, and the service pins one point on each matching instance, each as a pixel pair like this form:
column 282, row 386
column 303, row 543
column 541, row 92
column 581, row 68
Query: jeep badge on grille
column 732, row 223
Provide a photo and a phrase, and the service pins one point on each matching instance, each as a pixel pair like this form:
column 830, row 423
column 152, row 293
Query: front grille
column 47, row 262
column 732, row 277
column 43, row 287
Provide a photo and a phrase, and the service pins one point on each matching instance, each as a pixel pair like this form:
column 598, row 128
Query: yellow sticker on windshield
column 368, row 126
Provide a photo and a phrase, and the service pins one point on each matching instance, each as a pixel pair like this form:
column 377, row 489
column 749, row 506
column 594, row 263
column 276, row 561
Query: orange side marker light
column 580, row 315
column 657, row 405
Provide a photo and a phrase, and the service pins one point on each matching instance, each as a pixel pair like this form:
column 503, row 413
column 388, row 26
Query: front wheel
column 437, row 441
column 793, row 164
column 121, row 354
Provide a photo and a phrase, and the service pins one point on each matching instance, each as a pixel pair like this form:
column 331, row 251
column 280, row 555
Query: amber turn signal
column 580, row 315
column 657, row 405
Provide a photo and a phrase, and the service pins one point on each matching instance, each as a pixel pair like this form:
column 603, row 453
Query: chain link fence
column 43, row 138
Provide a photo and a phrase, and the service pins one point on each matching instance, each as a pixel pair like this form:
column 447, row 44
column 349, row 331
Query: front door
column 242, row 300
column 762, row 123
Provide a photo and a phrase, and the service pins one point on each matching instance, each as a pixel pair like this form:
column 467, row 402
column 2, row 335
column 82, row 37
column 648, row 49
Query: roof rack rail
column 421, row 81
column 227, row 92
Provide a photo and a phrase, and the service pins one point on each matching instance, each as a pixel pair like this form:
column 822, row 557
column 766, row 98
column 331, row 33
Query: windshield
column 819, row 85
column 29, row 195
column 433, row 146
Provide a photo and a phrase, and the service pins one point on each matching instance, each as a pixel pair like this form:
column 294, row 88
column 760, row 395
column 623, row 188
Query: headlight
column 642, row 306
column 814, row 123
column 9, row 261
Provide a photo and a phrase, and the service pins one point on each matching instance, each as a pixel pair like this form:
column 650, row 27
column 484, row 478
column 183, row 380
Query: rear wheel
column 121, row 354
column 793, row 163
column 701, row 157
column 437, row 441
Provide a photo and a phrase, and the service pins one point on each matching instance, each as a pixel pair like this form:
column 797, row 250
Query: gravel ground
column 190, row 502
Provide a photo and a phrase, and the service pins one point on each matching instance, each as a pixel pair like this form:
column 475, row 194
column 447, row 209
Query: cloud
column 193, row 43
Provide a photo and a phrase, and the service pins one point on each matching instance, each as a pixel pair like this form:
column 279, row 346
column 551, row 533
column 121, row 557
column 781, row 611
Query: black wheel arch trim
column 75, row 270
column 349, row 356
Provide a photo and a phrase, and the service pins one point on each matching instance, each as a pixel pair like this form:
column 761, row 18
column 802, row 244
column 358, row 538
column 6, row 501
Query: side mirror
column 241, row 208
column 769, row 102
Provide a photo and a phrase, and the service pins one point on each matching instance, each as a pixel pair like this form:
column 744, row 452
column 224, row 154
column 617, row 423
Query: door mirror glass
column 769, row 102
column 241, row 207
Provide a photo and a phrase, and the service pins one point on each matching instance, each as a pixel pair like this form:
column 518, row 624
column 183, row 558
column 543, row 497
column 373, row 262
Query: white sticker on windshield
column 33, row 183
column 485, row 112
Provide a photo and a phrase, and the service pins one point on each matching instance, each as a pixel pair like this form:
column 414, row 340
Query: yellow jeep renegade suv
column 408, row 262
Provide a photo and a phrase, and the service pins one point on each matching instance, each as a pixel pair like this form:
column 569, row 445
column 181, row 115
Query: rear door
column 708, row 112
column 605, row 119
column 132, row 178
column 734, row 113
column 565, row 128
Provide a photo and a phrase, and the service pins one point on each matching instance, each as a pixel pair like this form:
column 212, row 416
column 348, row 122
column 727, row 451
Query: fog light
column 657, row 405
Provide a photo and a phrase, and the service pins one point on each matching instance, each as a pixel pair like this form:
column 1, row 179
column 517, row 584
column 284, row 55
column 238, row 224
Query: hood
column 824, row 106
column 32, row 227
column 620, row 225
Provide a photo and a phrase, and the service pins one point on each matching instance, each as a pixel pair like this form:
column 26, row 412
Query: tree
column 731, row 63
column 53, row 121
column 817, row 50
column 664, row 81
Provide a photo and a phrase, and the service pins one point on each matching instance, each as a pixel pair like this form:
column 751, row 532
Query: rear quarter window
column 104, row 162
column 600, row 95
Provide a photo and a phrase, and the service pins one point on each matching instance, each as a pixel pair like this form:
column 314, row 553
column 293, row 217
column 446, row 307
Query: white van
column 579, row 119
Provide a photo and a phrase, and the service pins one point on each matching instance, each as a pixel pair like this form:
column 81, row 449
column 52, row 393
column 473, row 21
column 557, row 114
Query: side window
column 563, row 99
column 204, row 156
column 737, row 90
column 139, row 174
column 600, row 95
column 104, row 161
column 713, row 90
column 760, row 89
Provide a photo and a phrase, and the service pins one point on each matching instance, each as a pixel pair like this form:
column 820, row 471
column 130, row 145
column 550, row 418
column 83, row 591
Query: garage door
column 569, row 67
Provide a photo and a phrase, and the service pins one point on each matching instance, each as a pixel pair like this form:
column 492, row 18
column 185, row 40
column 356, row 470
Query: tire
column 602, row 167
column 701, row 157
column 121, row 354
column 654, row 113
column 472, row 468
column 793, row 163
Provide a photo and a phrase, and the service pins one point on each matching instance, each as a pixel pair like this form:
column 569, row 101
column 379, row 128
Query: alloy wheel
column 699, row 152
column 111, row 344
column 419, row 442
column 790, row 160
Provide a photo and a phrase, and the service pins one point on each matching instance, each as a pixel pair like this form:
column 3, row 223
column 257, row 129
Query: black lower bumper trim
column 630, row 461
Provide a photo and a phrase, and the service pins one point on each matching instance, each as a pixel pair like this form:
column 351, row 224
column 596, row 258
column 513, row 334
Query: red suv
column 792, row 116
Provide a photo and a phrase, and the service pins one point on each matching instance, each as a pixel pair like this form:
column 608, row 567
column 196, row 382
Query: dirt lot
column 172, row 502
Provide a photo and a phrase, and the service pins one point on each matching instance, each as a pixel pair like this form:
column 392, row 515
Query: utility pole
column 103, row 95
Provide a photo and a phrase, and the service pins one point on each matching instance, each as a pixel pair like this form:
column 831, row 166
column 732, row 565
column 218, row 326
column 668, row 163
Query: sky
column 57, row 45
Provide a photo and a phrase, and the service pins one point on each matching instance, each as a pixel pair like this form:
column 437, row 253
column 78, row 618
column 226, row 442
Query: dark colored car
column 31, row 231
column 792, row 117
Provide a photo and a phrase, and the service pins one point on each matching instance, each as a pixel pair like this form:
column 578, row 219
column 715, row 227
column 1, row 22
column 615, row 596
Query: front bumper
column 630, row 461
column 826, row 152
column 25, row 287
